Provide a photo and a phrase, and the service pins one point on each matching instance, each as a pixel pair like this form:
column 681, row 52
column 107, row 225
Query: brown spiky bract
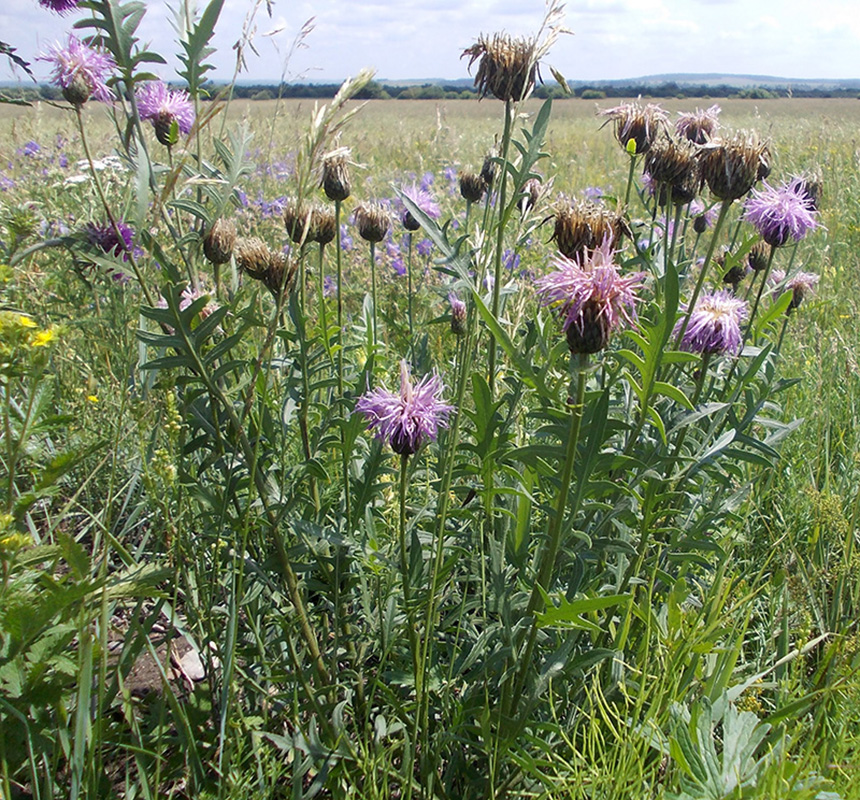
column 731, row 168
column 472, row 186
column 323, row 226
column 335, row 177
column 219, row 241
column 584, row 226
column 373, row 222
column 638, row 124
column 674, row 168
column 507, row 67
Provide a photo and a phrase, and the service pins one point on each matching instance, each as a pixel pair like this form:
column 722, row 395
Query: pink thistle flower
column 408, row 419
column 80, row 71
column 59, row 6
column 715, row 324
column 164, row 106
column 781, row 213
column 590, row 296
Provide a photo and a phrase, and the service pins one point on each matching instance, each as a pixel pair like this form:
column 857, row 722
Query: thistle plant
column 545, row 565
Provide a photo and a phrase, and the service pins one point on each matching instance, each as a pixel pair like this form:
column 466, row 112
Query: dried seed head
column 698, row 126
column 731, row 168
column 280, row 274
column 584, row 226
column 489, row 170
column 335, row 175
column 297, row 221
column 673, row 167
column 534, row 191
column 252, row 256
column 373, row 222
column 700, row 223
column 219, row 241
column 323, row 226
column 472, row 186
column 507, row 67
column 636, row 126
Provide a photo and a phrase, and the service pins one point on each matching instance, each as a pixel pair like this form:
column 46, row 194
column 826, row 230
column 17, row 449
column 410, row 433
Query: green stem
column 724, row 210
column 549, row 554
column 500, row 238
column 409, row 290
column 111, row 218
column 373, row 291
column 764, row 275
column 629, row 183
column 404, row 573
column 340, row 389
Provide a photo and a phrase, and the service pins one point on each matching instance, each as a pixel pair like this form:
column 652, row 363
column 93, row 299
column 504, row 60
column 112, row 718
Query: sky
column 413, row 39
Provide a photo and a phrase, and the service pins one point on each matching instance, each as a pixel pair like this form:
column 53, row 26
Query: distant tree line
column 456, row 91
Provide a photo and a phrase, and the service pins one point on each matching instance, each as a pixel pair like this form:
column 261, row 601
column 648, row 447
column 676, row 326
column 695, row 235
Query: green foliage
column 620, row 574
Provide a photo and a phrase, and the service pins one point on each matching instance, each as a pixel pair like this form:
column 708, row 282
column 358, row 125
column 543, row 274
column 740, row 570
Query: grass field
column 624, row 572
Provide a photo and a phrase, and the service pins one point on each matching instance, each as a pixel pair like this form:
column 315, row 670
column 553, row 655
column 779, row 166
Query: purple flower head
column 398, row 266
column 164, row 106
column 104, row 237
column 80, row 71
column 715, row 324
column 31, row 149
column 780, row 213
column 59, row 6
column 424, row 247
column 590, row 296
column 424, row 200
column 409, row 419
column 698, row 126
column 329, row 286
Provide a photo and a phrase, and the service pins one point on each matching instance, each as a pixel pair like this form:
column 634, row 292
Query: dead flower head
column 508, row 66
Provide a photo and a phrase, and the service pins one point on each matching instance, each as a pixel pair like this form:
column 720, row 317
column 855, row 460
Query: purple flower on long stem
column 117, row 241
column 164, row 106
column 408, row 419
column 780, row 213
column 715, row 324
column 59, row 6
column 590, row 296
column 80, row 71
column 424, row 200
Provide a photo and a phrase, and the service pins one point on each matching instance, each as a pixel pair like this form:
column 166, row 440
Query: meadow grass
column 154, row 523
